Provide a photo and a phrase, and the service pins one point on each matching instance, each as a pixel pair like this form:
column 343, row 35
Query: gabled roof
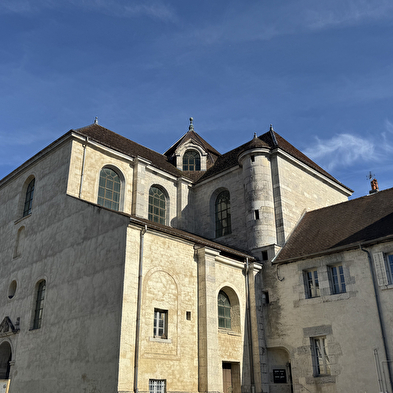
column 120, row 143
column 339, row 227
column 191, row 134
column 270, row 140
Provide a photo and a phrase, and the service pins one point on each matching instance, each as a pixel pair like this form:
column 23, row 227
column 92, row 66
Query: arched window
column 29, row 198
column 191, row 161
column 39, row 304
column 224, row 311
column 223, row 214
column 157, row 205
column 109, row 189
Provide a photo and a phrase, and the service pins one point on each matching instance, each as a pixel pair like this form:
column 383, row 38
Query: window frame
column 160, row 315
column 311, row 283
column 39, row 305
column 191, row 161
column 222, row 214
column 337, row 279
column 29, row 196
column 389, row 268
column 156, row 212
column 226, row 311
column 103, row 199
column 320, row 356
column 157, row 385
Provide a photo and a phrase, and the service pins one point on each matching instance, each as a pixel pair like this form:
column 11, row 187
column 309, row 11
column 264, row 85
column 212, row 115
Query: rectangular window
column 390, row 269
column 337, row 279
column 311, row 283
column 383, row 265
column 320, row 358
column 156, row 385
column 160, row 323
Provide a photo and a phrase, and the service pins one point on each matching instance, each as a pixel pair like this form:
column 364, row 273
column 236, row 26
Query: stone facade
column 113, row 300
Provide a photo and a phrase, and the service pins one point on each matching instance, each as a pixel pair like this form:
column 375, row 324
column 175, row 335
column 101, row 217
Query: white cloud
column 389, row 126
column 342, row 150
column 15, row 6
column 346, row 149
column 154, row 8
column 338, row 13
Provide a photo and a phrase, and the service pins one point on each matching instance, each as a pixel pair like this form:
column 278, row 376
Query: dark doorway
column 5, row 358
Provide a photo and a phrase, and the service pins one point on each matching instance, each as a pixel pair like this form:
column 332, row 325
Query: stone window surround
column 326, row 294
column 190, row 145
column 122, row 183
column 22, row 197
column 167, row 201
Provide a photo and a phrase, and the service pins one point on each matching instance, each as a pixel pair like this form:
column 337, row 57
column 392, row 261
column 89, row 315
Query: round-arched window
column 157, row 205
column 224, row 311
column 109, row 189
column 191, row 161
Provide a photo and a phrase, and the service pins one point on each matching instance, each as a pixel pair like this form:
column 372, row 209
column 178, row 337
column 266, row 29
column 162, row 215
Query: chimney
column 374, row 186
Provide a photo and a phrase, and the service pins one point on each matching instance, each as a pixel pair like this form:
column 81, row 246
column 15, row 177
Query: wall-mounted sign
column 279, row 375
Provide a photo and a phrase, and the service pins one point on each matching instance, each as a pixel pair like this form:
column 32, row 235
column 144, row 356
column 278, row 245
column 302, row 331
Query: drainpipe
column 138, row 309
column 83, row 166
column 249, row 330
column 380, row 316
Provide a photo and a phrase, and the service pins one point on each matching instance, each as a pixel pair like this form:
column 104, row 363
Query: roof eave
column 347, row 247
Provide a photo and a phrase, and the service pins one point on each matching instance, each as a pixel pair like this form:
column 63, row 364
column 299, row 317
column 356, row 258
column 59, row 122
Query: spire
column 191, row 126
column 272, row 135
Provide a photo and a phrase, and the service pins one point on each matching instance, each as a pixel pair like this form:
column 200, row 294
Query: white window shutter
column 380, row 268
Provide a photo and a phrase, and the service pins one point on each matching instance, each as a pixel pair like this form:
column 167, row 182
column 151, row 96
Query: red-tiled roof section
column 230, row 159
column 341, row 226
column 120, row 143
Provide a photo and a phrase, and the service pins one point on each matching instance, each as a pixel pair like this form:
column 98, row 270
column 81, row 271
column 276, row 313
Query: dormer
column 191, row 153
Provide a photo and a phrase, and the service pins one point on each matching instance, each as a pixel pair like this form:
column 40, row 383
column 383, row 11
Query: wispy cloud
column 153, row 9
column 347, row 149
column 259, row 21
column 323, row 15
column 342, row 150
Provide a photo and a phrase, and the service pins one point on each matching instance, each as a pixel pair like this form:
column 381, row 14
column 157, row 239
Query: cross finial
column 370, row 176
column 191, row 126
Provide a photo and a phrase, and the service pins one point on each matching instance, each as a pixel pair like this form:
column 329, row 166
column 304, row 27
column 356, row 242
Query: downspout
column 83, row 166
column 380, row 316
column 138, row 309
column 249, row 330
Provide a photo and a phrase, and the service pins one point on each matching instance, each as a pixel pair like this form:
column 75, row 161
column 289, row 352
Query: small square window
column 160, row 323
column 337, row 279
column 311, row 283
column 320, row 358
column 188, row 315
column 157, row 385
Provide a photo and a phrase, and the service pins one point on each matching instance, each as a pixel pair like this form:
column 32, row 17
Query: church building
column 127, row 270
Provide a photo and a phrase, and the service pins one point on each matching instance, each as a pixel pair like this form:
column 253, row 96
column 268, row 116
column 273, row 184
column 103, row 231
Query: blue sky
column 320, row 71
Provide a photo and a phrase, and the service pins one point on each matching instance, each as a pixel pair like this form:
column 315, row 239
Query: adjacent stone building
column 190, row 271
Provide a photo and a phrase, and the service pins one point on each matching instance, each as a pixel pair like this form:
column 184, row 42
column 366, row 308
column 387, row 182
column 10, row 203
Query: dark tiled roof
column 120, row 143
column 270, row 140
column 341, row 226
column 195, row 137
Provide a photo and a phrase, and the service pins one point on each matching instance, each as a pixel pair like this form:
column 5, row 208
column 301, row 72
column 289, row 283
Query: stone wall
column 77, row 343
column 349, row 322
